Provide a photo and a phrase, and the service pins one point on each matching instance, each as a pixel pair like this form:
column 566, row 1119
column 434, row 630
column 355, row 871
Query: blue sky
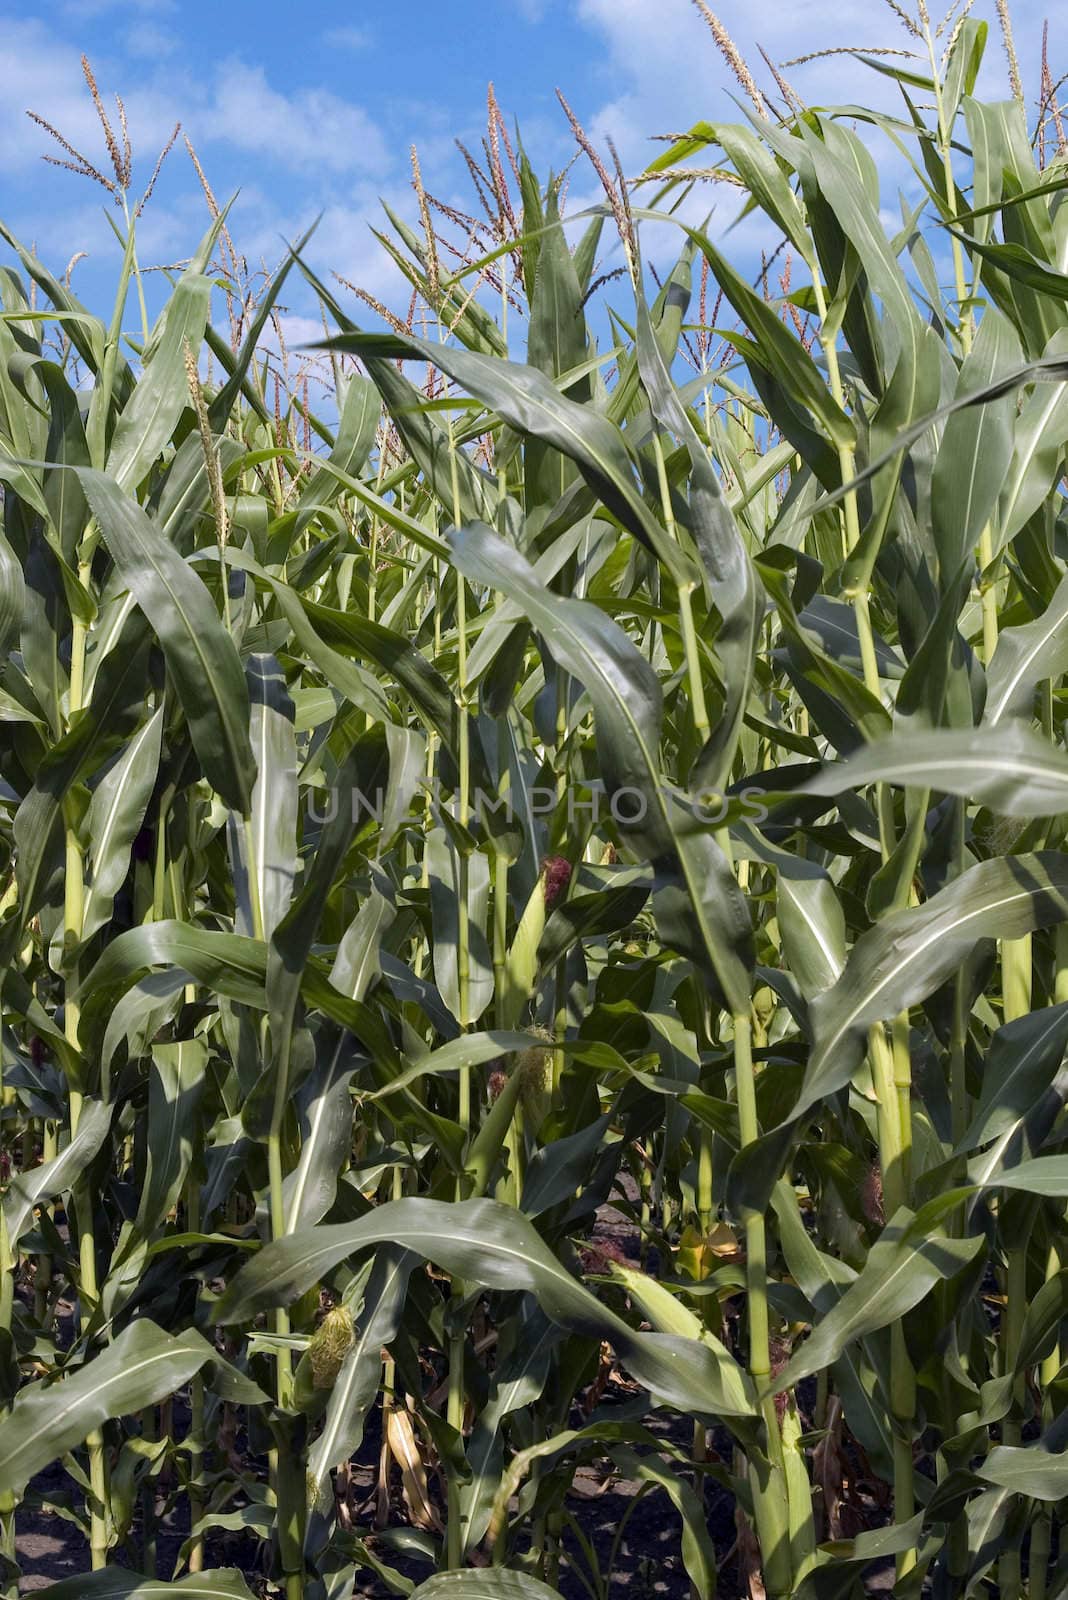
column 313, row 107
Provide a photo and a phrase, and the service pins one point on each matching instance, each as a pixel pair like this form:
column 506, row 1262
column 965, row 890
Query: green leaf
column 143, row 1366
column 697, row 902
column 66, row 447
column 490, row 1244
column 116, row 813
column 1046, row 369
column 326, row 1138
column 467, row 1050
column 356, row 964
column 1020, row 1065
column 556, row 343
column 698, row 1551
column 175, row 1087
column 909, row 953
column 603, row 911
column 730, row 579
column 324, row 633
column 843, row 174
column 355, row 1389
column 962, row 66
column 225, row 1583
column 12, row 596
column 1046, row 1176
column 361, row 410
column 973, row 457
column 1038, row 1336
column 776, row 348
column 290, row 946
column 138, row 1015
column 1024, row 657
column 226, row 963
column 201, row 658
column 837, row 1575
column 1019, row 773
column 148, row 419
column 425, row 439
column 484, row 1583
column 906, row 1261
column 527, row 1344
column 812, row 926
column 38, row 1185
column 42, row 603
column 456, row 879
column 1021, row 265
column 531, row 404
column 557, row 1171
column 1039, row 1471
column 1040, row 432
column 765, row 181
column 87, row 333
column 272, row 835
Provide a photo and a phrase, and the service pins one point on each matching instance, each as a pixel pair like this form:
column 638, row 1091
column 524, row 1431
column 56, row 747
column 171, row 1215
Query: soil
column 647, row 1564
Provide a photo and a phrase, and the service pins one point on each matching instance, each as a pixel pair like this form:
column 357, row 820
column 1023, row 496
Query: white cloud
column 342, row 241
column 235, row 107
column 664, row 60
column 40, row 73
column 666, row 72
column 671, row 73
column 648, row 66
column 298, row 332
column 348, row 38
column 243, row 125
column 312, row 128
column 148, row 41
column 56, row 235
column 83, row 10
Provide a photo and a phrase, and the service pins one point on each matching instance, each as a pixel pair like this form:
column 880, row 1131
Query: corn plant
column 553, row 779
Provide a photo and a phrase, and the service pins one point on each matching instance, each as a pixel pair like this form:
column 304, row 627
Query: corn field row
column 535, row 892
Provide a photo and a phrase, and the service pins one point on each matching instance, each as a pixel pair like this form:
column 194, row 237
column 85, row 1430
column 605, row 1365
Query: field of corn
column 534, row 881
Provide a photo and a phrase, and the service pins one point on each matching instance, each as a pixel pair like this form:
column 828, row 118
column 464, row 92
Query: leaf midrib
column 936, row 934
